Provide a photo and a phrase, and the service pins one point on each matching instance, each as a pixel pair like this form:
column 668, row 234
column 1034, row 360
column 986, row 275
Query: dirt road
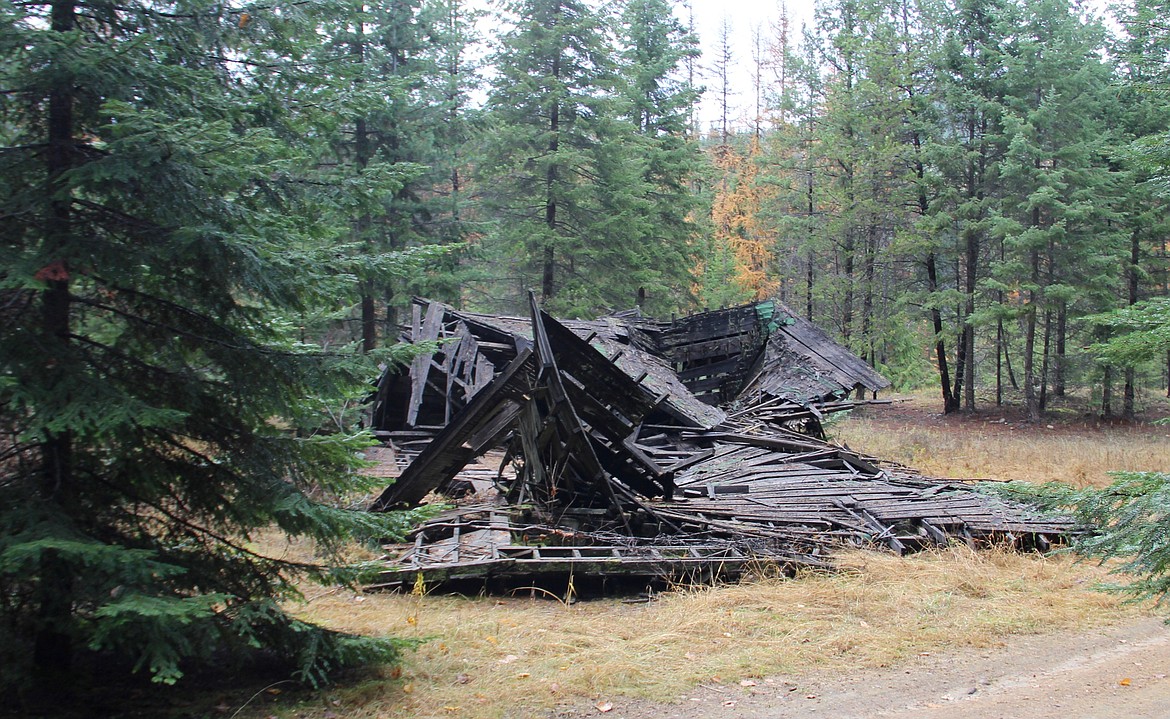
column 1115, row 673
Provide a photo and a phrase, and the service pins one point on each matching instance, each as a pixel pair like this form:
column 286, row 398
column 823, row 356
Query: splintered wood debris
column 631, row 447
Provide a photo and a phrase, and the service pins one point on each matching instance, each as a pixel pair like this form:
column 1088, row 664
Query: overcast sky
column 744, row 16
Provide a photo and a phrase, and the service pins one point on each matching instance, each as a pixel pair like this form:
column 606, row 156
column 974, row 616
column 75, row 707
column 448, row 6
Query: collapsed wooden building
column 626, row 446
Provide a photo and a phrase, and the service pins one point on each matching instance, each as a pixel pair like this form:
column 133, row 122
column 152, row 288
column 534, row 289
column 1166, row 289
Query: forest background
column 959, row 191
column 214, row 216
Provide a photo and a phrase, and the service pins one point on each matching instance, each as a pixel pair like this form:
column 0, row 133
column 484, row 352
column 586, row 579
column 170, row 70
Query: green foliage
column 584, row 166
column 163, row 241
column 1141, row 332
column 1128, row 520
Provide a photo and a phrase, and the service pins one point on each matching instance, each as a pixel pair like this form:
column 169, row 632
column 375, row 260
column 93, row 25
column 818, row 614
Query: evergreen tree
column 971, row 92
column 583, row 167
column 157, row 239
column 1060, row 253
column 1142, row 114
column 655, row 49
column 539, row 164
column 390, row 78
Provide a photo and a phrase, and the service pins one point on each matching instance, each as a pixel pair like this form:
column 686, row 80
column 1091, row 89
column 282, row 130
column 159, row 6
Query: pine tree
column 580, row 164
column 1140, row 114
column 1060, row 251
column 390, row 80
column 971, row 94
column 655, row 48
column 157, row 240
column 538, row 167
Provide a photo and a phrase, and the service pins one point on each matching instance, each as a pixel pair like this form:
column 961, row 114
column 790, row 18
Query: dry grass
column 507, row 657
column 992, row 447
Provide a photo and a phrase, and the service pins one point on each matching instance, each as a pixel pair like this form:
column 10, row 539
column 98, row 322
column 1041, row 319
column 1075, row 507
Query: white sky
column 744, row 16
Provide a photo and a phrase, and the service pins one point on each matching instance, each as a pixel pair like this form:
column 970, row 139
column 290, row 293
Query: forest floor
column 1072, row 444
column 951, row 633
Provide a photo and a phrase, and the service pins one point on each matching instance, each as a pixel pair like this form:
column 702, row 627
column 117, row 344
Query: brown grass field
column 523, row 657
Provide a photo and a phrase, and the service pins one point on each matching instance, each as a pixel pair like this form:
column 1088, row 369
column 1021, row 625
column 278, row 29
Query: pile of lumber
column 626, row 447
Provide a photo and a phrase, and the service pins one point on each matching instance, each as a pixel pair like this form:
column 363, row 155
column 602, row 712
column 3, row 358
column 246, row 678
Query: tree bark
column 810, row 275
column 1128, row 410
column 1044, row 357
column 1031, row 395
column 950, row 402
column 999, row 363
column 1059, row 360
column 363, row 152
column 972, row 266
column 1107, row 392
column 548, row 285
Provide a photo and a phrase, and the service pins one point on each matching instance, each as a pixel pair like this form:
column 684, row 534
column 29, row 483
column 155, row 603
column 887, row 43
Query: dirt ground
column 1116, row 673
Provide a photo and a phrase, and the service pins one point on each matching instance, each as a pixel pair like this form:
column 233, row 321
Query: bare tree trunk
column 369, row 312
column 950, row 402
column 1059, row 360
column 1044, row 360
column 1007, row 361
column 847, row 311
column 1031, row 395
column 869, row 270
column 1128, row 397
column 548, row 260
column 999, row 363
column 1128, row 410
column 1107, row 392
column 809, row 276
column 972, row 266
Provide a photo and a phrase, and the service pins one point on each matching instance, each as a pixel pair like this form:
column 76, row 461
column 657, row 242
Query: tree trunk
column 1007, row 361
column 869, row 270
column 999, row 362
column 1031, row 395
column 1107, row 392
column 369, row 319
column 950, row 402
column 1044, row 360
column 1127, row 407
column 53, row 645
column 810, row 276
column 847, row 311
column 1059, row 360
column 363, row 152
column 548, row 285
column 972, row 266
